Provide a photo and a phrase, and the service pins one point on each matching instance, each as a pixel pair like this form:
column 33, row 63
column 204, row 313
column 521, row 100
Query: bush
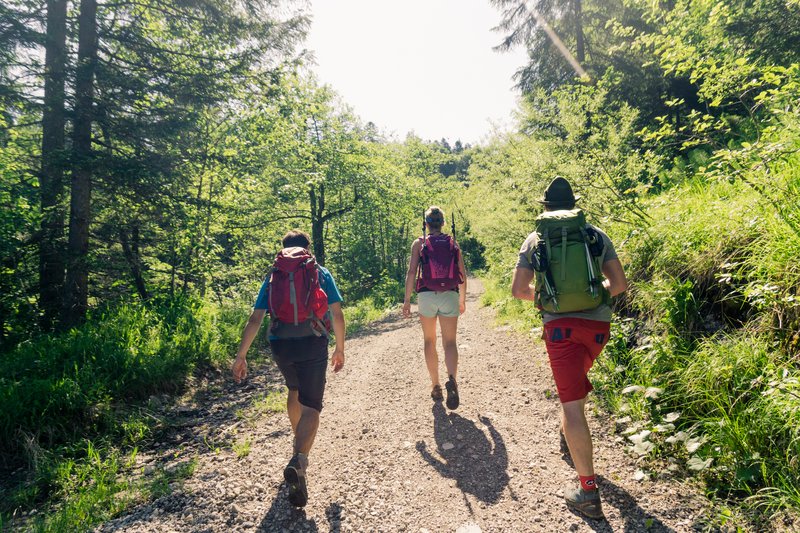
column 707, row 344
column 56, row 388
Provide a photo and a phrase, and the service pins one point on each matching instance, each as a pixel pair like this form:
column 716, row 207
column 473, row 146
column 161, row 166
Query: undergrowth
column 74, row 407
column 706, row 374
column 701, row 369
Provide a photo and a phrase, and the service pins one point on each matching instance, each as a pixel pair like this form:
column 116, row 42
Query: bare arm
column 615, row 282
column 411, row 275
column 248, row 335
column 339, row 328
column 521, row 287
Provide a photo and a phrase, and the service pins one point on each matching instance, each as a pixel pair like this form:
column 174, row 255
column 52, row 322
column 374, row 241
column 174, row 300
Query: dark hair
column 434, row 218
column 296, row 237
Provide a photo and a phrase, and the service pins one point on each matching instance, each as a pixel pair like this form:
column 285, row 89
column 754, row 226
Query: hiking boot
column 452, row 393
column 436, row 393
column 585, row 502
column 295, row 476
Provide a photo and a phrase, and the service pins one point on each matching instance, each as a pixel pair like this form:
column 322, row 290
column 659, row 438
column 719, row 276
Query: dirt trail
column 389, row 459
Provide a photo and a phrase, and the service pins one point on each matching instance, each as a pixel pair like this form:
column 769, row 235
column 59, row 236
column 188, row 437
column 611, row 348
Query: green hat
column 559, row 193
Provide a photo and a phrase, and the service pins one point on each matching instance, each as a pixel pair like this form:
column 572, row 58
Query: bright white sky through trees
column 417, row 65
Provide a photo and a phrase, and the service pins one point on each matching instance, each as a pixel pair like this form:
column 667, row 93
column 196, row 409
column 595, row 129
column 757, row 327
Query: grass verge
column 701, row 371
column 74, row 408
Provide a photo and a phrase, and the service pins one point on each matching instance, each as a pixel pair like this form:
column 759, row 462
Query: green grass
column 74, row 406
column 163, row 480
column 714, row 325
column 273, row 401
column 521, row 315
column 56, row 388
column 360, row 314
column 242, row 448
column 91, row 491
column 93, row 488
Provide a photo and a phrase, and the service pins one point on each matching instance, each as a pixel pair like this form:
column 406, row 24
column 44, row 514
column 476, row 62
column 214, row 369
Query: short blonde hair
column 434, row 217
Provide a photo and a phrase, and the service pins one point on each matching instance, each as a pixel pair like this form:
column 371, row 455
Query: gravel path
column 387, row 458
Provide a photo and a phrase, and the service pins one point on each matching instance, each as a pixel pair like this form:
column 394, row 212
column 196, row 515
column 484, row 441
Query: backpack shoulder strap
column 563, row 253
column 270, row 291
column 424, row 243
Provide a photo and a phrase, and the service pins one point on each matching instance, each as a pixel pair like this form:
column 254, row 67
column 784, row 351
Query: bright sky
column 417, row 65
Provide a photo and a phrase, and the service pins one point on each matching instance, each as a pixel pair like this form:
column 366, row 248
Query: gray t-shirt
column 601, row 313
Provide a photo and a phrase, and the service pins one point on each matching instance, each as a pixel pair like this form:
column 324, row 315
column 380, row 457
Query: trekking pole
column 549, row 288
column 454, row 224
column 592, row 274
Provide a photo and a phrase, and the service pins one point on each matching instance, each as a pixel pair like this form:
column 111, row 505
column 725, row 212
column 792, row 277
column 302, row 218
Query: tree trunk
column 51, row 177
column 318, row 222
column 77, row 284
column 130, row 248
column 580, row 49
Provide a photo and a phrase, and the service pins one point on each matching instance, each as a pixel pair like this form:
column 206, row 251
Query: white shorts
column 433, row 303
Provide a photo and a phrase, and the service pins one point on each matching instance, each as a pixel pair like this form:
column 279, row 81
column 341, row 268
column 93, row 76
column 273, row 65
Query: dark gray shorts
column 303, row 362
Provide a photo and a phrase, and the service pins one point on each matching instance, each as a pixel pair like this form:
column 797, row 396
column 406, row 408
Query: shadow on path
column 282, row 516
column 635, row 517
column 334, row 515
column 477, row 465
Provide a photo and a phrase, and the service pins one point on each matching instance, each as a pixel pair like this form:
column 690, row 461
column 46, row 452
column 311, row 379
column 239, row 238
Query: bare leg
column 449, row 326
column 294, row 409
column 306, row 429
column 579, row 439
column 431, row 357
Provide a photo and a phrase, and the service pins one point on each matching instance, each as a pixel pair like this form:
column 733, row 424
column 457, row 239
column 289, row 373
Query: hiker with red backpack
column 304, row 305
column 575, row 271
column 436, row 271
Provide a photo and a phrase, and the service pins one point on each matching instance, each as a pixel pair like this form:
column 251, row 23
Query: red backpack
column 439, row 260
column 298, row 307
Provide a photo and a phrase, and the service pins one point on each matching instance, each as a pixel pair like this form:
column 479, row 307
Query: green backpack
column 567, row 263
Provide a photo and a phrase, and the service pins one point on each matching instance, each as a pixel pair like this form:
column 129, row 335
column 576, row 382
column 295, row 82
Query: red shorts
column 572, row 346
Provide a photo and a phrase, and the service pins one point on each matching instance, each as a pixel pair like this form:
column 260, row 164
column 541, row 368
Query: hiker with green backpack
column 575, row 271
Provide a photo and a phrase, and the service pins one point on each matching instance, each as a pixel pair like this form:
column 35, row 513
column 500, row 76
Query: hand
column 239, row 369
column 406, row 309
column 462, row 306
column 337, row 360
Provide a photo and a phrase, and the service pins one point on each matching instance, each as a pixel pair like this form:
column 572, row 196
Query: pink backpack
column 439, row 260
column 297, row 303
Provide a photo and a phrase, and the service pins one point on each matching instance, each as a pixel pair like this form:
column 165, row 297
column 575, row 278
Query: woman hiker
column 436, row 272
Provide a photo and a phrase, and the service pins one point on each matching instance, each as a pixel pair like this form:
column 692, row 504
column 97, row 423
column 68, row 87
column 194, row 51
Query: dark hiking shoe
column 295, row 477
column 436, row 393
column 585, row 502
column 452, row 393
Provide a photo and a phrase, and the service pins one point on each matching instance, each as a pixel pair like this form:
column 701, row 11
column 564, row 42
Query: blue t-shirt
column 326, row 282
